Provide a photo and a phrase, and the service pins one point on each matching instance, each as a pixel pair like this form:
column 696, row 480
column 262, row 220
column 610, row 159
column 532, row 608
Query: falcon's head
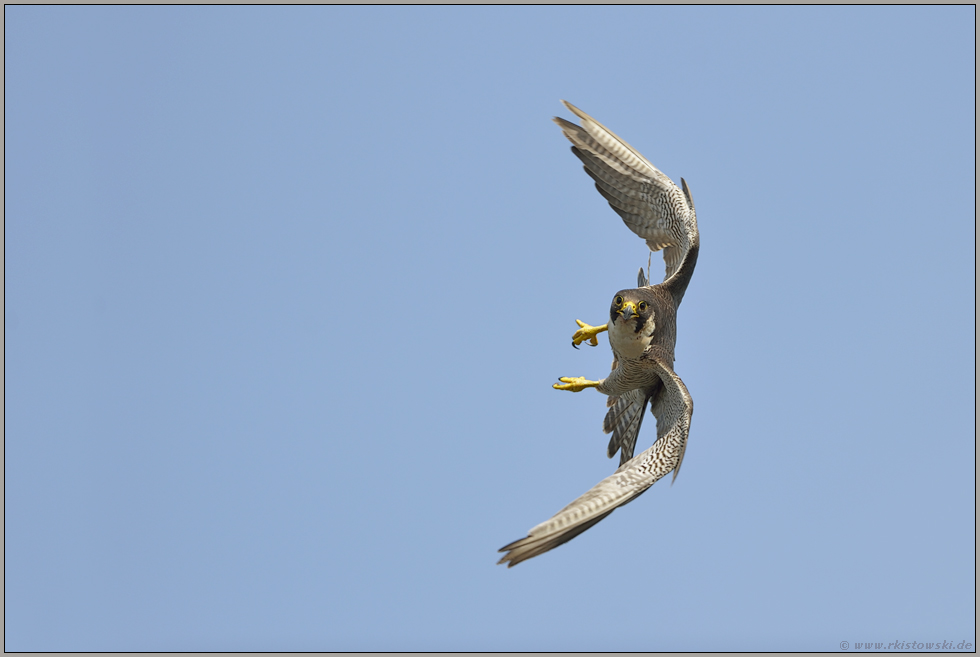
column 632, row 310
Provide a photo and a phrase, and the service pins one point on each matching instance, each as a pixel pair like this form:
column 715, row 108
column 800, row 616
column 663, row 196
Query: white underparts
column 627, row 343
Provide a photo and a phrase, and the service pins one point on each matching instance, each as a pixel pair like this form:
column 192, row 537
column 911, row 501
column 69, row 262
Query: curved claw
column 574, row 383
column 587, row 333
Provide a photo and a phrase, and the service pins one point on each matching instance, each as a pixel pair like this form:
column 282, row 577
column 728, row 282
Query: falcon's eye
column 618, row 301
column 643, row 306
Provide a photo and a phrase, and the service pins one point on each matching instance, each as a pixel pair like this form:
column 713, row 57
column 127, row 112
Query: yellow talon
column 574, row 383
column 587, row 333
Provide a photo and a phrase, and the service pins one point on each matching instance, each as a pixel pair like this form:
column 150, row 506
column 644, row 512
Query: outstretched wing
column 673, row 409
column 650, row 204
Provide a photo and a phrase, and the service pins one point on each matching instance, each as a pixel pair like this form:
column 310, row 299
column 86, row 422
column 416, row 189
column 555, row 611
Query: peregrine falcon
column 642, row 331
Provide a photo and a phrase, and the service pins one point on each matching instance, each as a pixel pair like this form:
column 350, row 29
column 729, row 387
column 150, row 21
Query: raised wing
column 673, row 409
column 650, row 204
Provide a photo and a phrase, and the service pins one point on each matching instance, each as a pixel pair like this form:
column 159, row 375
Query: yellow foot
column 574, row 383
column 587, row 333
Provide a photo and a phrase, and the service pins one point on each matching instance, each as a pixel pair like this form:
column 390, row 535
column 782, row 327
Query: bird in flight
column 642, row 331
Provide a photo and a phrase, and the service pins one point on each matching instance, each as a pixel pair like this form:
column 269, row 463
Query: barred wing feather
column 650, row 204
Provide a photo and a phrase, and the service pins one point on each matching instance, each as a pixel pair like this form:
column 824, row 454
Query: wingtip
column 508, row 558
column 567, row 128
column 574, row 110
column 687, row 192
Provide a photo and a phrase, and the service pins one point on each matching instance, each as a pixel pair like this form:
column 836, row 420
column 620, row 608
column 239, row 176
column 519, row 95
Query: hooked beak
column 628, row 310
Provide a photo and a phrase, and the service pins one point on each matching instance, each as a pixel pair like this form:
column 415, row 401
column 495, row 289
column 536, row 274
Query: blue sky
column 286, row 290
